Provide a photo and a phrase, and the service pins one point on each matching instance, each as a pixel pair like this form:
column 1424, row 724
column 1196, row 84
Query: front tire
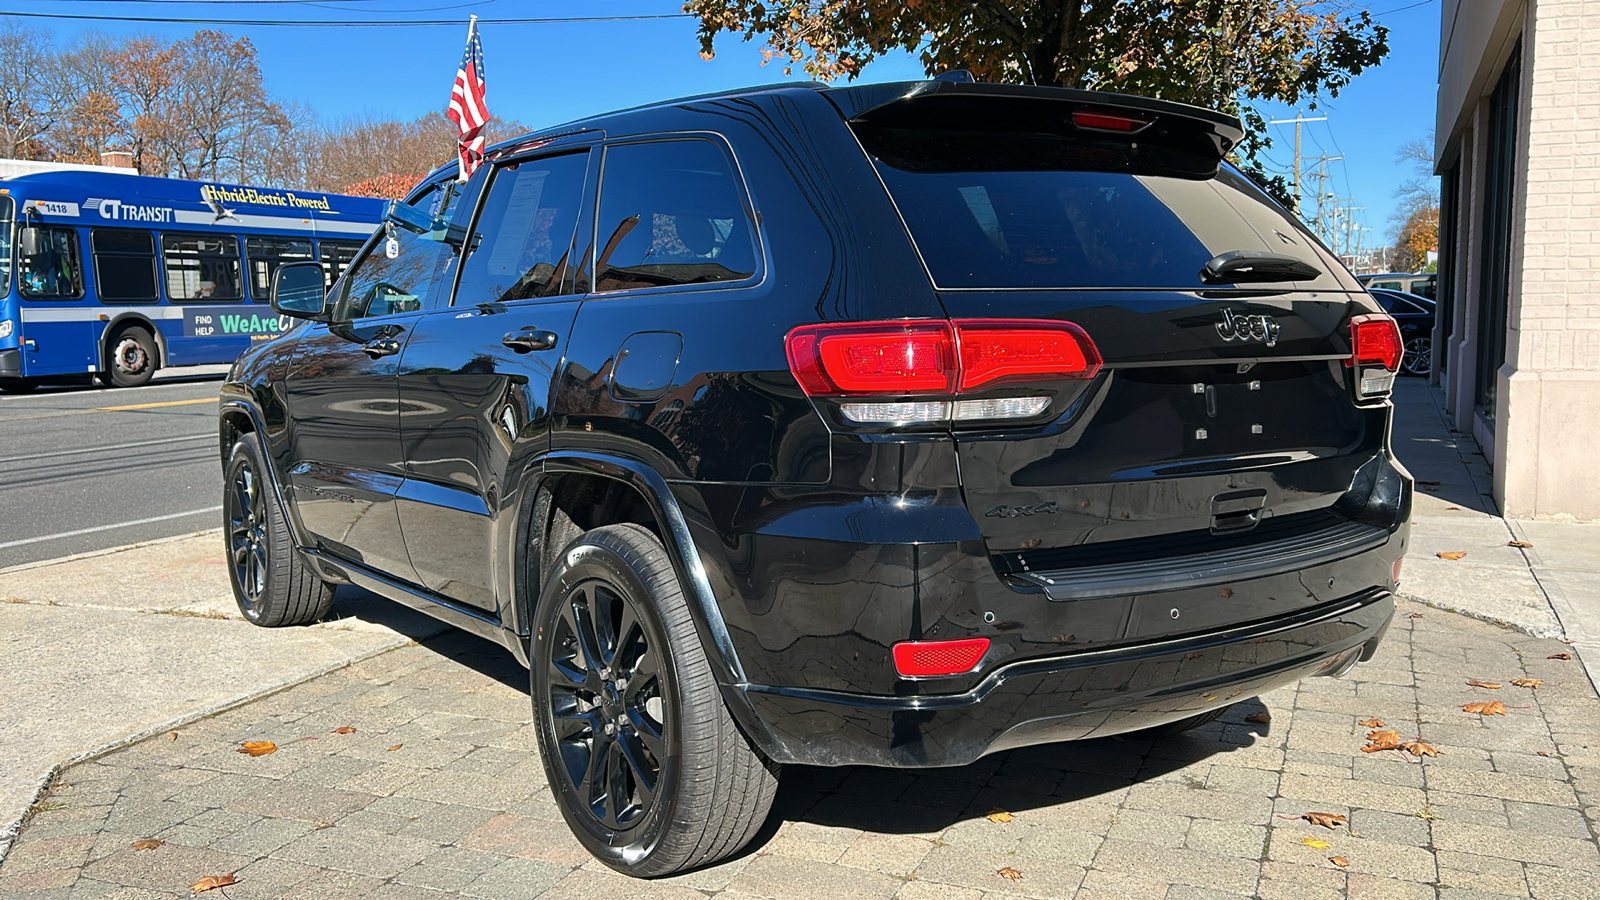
column 130, row 358
column 646, row 764
column 272, row 583
column 18, row 385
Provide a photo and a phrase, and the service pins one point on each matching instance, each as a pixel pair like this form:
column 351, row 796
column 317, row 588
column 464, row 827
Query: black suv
column 892, row 425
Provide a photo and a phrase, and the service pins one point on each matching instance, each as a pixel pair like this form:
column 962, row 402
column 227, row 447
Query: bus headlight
column 5, row 328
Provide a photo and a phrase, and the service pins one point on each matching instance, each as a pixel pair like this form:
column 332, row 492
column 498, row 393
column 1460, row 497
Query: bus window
column 51, row 267
column 265, row 255
column 124, row 265
column 6, row 206
column 201, row 267
column 336, row 256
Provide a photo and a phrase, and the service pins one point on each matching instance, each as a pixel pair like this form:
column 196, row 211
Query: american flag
column 467, row 108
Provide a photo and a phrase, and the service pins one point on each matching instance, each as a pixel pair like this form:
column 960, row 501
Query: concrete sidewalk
column 1549, row 588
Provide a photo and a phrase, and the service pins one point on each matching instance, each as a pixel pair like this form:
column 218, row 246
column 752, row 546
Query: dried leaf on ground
column 212, row 882
column 344, row 729
column 1527, row 682
column 1490, row 708
column 1326, row 820
column 1419, row 749
column 148, row 844
column 1381, row 740
column 999, row 815
column 1518, row 544
column 1491, row 685
column 1315, row 843
column 258, row 748
column 1260, row 718
column 1559, row 656
column 396, row 747
column 1339, row 861
column 1451, row 554
column 172, row 735
column 1414, row 616
column 1009, row 874
column 1546, row 753
column 1371, row 723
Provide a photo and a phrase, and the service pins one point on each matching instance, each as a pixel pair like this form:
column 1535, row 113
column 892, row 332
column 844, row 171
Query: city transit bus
column 114, row 276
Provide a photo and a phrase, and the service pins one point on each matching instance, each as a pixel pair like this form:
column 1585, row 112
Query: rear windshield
column 1044, row 211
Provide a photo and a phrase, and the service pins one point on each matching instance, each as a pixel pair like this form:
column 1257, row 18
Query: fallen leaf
column 344, row 729
column 1545, row 753
column 147, row 844
column 1193, row 656
column 1451, row 554
column 1491, row 685
column 1381, row 740
column 1414, row 616
column 1452, row 507
column 396, row 747
column 1559, row 656
column 1339, row 861
column 1526, row 682
column 999, row 815
column 1427, row 814
column 1315, row 843
column 172, row 735
column 1419, row 749
column 258, row 748
column 1371, row 723
column 1326, row 820
column 1009, row 874
column 1227, row 592
column 1260, row 718
column 1518, row 544
column 212, row 882
column 1491, row 708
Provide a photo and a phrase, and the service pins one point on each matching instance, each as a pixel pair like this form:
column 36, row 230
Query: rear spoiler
column 965, row 106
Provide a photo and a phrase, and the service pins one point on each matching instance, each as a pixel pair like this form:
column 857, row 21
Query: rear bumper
column 1071, row 697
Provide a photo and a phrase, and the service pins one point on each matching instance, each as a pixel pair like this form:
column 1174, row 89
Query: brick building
column 1518, row 336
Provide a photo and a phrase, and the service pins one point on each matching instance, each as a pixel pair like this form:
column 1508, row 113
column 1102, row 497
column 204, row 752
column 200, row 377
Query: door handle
column 530, row 339
column 381, row 347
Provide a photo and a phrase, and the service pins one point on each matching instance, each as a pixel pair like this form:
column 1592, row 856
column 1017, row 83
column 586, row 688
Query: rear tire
column 271, row 581
column 130, row 358
column 646, row 764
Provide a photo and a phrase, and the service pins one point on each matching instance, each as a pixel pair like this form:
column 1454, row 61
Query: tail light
column 931, row 659
column 1100, row 120
column 1376, row 346
column 930, row 358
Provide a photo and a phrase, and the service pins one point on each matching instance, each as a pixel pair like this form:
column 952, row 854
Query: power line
column 346, row 23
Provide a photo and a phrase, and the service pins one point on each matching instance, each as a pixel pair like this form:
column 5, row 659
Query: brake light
column 1375, row 354
column 930, row 659
column 935, row 357
column 1099, row 120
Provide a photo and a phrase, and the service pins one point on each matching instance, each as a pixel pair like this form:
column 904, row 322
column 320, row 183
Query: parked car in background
column 889, row 425
column 1423, row 284
column 1414, row 314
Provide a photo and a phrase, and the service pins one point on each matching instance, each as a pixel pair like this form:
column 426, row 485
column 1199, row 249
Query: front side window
column 335, row 257
column 265, row 254
column 401, row 271
column 201, row 267
column 124, row 265
column 525, row 232
column 671, row 213
column 51, row 267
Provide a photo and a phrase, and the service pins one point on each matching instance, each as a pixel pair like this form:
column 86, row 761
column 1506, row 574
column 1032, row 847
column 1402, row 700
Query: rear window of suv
column 1007, row 210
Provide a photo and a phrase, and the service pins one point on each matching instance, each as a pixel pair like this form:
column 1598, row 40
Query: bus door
column 58, row 327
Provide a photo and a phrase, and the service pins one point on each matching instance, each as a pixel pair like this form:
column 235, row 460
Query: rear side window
column 1010, row 210
column 265, row 254
column 201, row 267
column 671, row 213
column 526, row 229
column 124, row 265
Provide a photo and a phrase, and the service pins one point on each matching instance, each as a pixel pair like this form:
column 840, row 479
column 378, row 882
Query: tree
column 1416, row 218
column 144, row 72
column 31, row 92
column 1224, row 54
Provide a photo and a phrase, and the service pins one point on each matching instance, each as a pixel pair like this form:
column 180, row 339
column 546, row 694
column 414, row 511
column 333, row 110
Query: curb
column 1533, row 631
column 10, row 830
column 93, row 554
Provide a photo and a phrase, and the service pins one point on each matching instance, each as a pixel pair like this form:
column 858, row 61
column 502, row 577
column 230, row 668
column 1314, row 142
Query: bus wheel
column 130, row 358
column 18, row 385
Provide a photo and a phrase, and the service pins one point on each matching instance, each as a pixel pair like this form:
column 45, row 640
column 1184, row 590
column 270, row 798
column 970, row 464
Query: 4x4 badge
column 1248, row 328
column 1011, row 512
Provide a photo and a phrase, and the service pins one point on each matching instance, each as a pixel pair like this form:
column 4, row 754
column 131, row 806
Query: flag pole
column 461, row 163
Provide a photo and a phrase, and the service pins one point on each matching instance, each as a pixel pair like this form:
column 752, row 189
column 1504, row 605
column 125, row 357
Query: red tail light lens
column 936, row 357
column 930, row 659
column 1108, row 121
column 1376, row 339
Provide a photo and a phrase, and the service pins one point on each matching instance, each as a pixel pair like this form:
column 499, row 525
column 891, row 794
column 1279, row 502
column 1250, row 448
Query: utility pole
column 1298, row 120
column 1324, row 227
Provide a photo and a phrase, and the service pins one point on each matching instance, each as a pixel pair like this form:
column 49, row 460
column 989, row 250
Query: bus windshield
column 5, row 245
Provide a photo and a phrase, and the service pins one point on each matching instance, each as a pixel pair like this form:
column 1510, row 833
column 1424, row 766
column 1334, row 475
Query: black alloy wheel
column 247, row 536
column 644, row 760
column 272, row 583
column 1418, row 358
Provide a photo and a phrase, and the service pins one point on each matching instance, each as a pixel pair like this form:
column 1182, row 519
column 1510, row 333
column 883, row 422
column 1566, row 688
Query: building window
column 124, row 265
column 1499, row 184
column 201, row 267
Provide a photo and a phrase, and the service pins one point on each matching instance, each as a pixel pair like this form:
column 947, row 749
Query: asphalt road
column 87, row 468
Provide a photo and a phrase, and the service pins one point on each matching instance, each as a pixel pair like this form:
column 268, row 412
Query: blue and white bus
column 116, row 276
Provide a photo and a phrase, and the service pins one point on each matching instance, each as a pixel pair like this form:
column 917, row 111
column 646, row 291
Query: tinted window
column 264, row 255
column 671, row 213
column 50, row 269
column 400, row 273
column 124, row 265
column 1039, row 211
column 201, row 267
column 525, row 232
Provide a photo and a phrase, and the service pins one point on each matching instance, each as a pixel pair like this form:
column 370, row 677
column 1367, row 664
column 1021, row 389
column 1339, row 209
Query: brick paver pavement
column 439, row 792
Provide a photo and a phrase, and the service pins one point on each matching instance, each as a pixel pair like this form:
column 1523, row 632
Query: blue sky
column 548, row 74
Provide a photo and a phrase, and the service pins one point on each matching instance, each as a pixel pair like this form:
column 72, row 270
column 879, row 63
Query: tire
column 1418, row 358
column 1182, row 725
column 18, row 385
column 131, row 357
column 271, row 581
column 614, row 590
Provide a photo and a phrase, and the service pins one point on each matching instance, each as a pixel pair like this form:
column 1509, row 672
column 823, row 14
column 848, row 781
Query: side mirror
column 299, row 291
column 408, row 217
column 30, row 240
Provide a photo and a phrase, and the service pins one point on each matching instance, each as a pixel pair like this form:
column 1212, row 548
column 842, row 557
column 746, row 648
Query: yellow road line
column 154, row 405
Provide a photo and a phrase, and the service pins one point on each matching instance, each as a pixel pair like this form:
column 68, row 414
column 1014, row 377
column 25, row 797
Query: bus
column 115, row 276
